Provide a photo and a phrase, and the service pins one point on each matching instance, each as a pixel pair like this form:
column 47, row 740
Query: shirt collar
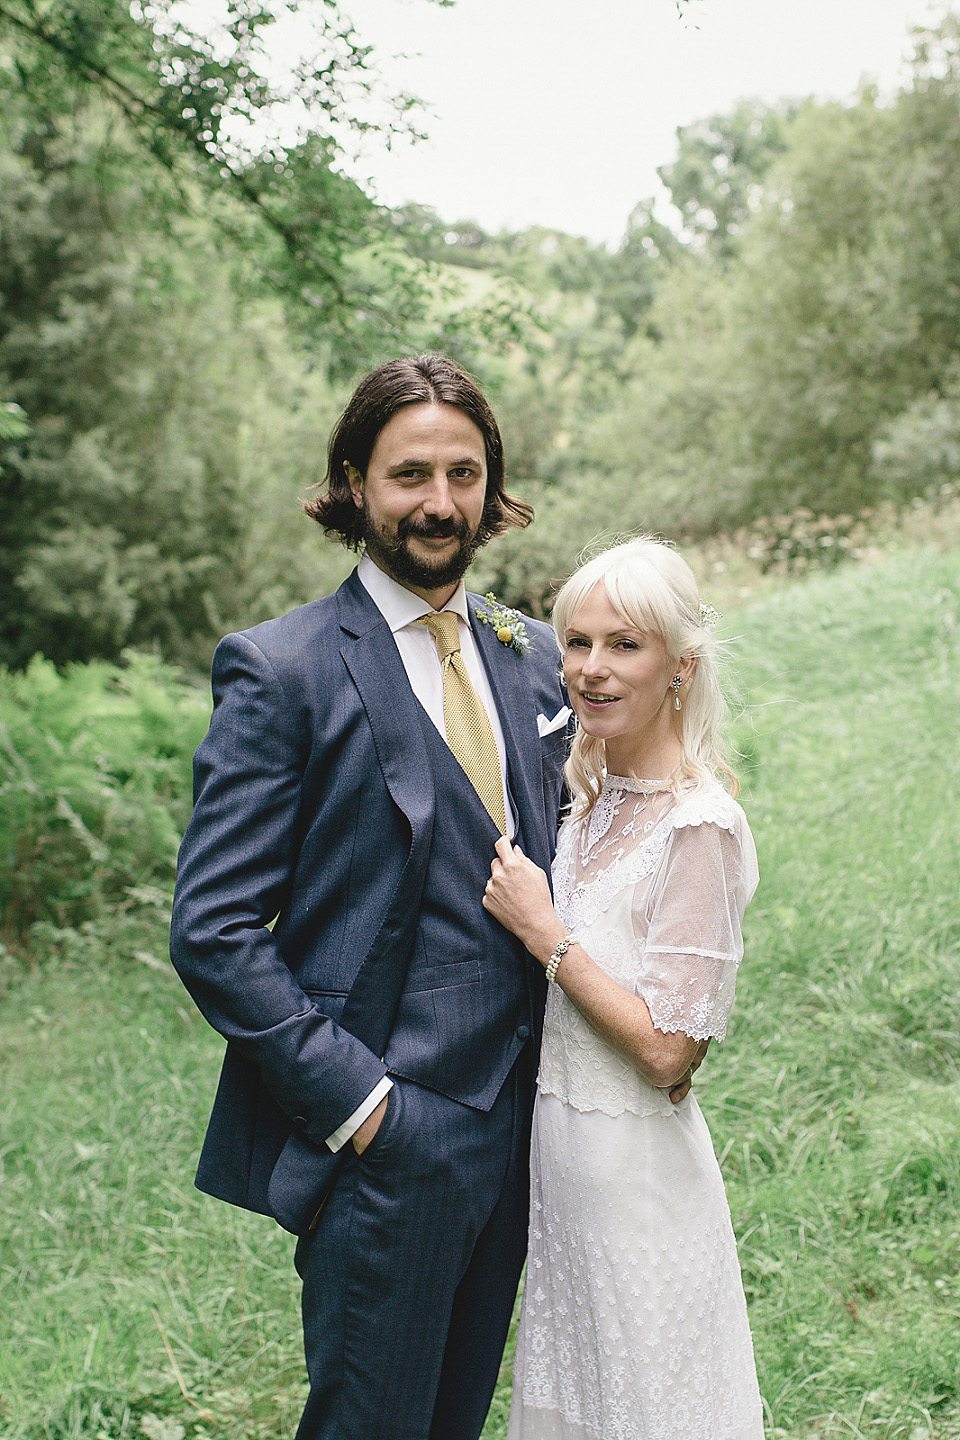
column 399, row 606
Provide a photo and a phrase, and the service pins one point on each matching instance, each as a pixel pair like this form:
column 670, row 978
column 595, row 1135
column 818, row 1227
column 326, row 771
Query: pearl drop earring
column 676, row 682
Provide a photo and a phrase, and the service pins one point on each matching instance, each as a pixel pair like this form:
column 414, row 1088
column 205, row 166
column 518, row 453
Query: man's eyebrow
column 414, row 463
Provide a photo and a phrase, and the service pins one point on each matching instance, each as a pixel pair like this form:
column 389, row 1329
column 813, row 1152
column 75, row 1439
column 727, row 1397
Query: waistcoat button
column 523, row 1032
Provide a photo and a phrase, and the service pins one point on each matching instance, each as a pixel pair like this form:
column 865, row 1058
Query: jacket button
column 523, row 1032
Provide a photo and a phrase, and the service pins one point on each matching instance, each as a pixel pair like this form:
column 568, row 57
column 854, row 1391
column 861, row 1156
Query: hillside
column 132, row 1306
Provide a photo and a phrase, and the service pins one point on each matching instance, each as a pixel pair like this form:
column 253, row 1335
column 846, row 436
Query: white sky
column 557, row 112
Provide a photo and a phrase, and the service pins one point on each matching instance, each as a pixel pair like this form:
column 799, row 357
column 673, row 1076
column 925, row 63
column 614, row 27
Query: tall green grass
column 131, row 1306
column 125, row 1295
column 837, row 1103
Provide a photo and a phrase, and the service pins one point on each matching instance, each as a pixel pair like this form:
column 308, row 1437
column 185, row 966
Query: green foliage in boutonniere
column 508, row 625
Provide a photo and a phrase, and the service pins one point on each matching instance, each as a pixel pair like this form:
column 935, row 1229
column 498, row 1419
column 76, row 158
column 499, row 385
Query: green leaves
column 717, row 178
column 94, row 792
column 210, row 109
column 14, row 424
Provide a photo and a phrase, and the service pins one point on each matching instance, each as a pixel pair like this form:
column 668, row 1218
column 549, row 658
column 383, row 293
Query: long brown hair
column 425, row 380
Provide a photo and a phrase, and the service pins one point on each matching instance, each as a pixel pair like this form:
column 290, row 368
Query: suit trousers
column 410, row 1277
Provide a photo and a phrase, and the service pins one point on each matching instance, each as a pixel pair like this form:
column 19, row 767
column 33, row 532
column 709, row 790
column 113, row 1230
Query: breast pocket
column 553, row 750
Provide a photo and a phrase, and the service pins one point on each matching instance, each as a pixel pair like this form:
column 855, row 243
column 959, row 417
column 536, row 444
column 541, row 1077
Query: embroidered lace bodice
column 655, row 889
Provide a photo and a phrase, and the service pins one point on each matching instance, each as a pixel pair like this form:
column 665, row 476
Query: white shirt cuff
column 352, row 1124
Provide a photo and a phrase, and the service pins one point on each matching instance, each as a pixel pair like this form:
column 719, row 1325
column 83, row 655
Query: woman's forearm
column 518, row 895
column 622, row 1019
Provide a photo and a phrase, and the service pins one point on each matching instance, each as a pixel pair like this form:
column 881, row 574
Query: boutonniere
column 509, row 627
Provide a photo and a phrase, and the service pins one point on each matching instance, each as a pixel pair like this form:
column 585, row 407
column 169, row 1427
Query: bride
column 634, row 1325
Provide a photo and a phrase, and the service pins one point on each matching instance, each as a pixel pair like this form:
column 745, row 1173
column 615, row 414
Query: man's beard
column 393, row 555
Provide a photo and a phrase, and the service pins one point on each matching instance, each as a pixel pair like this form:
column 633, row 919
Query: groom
column 365, row 753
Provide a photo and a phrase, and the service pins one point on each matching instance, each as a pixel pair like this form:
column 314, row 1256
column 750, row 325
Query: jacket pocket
column 441, row 977
column 328, row 1002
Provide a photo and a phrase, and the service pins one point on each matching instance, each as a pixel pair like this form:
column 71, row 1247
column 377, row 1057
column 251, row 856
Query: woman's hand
column 681, row 1088
column 518, row 895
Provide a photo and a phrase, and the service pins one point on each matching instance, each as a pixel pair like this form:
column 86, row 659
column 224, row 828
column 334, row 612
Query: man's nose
column 438, row 499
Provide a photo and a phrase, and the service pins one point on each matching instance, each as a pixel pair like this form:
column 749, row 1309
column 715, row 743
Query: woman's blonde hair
column 653, row 589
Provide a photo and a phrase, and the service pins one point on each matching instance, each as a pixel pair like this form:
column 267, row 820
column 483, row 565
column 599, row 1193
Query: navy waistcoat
column 473, row 995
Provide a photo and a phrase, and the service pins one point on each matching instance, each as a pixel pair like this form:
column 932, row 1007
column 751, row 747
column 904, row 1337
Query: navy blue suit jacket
column 314, row 808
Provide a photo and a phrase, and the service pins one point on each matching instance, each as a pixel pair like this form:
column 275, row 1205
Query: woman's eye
column 577, row 644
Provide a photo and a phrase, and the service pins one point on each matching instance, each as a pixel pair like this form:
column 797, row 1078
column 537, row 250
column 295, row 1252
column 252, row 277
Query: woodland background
column 773, row 380
column 184, row 306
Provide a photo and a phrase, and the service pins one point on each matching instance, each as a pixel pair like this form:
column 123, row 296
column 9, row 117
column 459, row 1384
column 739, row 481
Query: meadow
column 132, row 1306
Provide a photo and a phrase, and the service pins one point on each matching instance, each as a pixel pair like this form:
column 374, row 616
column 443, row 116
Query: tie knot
column 445, row 631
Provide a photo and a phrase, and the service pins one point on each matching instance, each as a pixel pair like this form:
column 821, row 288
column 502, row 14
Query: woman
column 634, row 1325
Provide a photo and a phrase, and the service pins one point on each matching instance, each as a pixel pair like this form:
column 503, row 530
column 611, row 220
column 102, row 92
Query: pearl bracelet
column 553, row 964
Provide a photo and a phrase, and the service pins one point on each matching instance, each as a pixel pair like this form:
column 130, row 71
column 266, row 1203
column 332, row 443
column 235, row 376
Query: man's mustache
column 433, row 529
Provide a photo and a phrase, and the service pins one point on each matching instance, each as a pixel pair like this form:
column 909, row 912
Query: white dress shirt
column 421, row 660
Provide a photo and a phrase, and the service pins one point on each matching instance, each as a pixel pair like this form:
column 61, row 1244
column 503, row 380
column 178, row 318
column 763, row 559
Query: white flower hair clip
column 708, row 617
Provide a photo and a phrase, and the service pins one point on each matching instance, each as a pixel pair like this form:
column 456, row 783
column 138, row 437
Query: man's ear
column 355, row 481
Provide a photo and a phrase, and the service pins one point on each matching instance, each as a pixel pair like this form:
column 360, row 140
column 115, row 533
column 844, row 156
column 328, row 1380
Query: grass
column 131, row 1306
column 124, row 1294
column 838, row 1103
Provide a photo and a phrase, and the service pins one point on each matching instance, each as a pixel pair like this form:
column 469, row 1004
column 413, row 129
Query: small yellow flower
column 506, row 624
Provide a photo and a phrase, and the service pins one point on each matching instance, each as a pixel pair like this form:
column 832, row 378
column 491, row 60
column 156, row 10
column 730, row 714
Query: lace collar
column 608, row 804
column 631, row 782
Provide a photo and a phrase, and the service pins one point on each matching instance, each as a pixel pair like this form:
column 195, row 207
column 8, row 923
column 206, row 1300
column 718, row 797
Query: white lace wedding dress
column 634, row 1325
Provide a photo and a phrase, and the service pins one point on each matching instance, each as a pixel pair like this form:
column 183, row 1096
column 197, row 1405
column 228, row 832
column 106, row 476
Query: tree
column 126, row 512
column 203, row 112
column 717, row 178
column 849, row 292
column 631, row 276
column 144, row 241
column 812, row 364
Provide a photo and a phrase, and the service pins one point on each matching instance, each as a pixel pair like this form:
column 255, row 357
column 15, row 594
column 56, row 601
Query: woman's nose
column 594, row 663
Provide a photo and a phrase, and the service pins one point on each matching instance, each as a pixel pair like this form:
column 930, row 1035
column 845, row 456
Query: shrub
column 94, row 791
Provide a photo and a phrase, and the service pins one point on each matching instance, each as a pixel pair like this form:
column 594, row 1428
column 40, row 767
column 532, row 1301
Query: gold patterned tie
column 469, row 732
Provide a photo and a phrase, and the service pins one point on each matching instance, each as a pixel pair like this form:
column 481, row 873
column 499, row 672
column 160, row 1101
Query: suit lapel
column 517, row 709
column 370, row 654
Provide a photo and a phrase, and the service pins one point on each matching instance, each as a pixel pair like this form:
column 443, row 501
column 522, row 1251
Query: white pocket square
column 547, row 727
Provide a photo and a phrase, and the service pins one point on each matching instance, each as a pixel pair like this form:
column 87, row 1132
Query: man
column 382, row 1035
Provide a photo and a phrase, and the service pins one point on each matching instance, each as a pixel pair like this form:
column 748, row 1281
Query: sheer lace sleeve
column 690, row 917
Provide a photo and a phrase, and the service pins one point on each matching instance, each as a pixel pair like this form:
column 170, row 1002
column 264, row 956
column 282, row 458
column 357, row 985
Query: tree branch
column 140, row 111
